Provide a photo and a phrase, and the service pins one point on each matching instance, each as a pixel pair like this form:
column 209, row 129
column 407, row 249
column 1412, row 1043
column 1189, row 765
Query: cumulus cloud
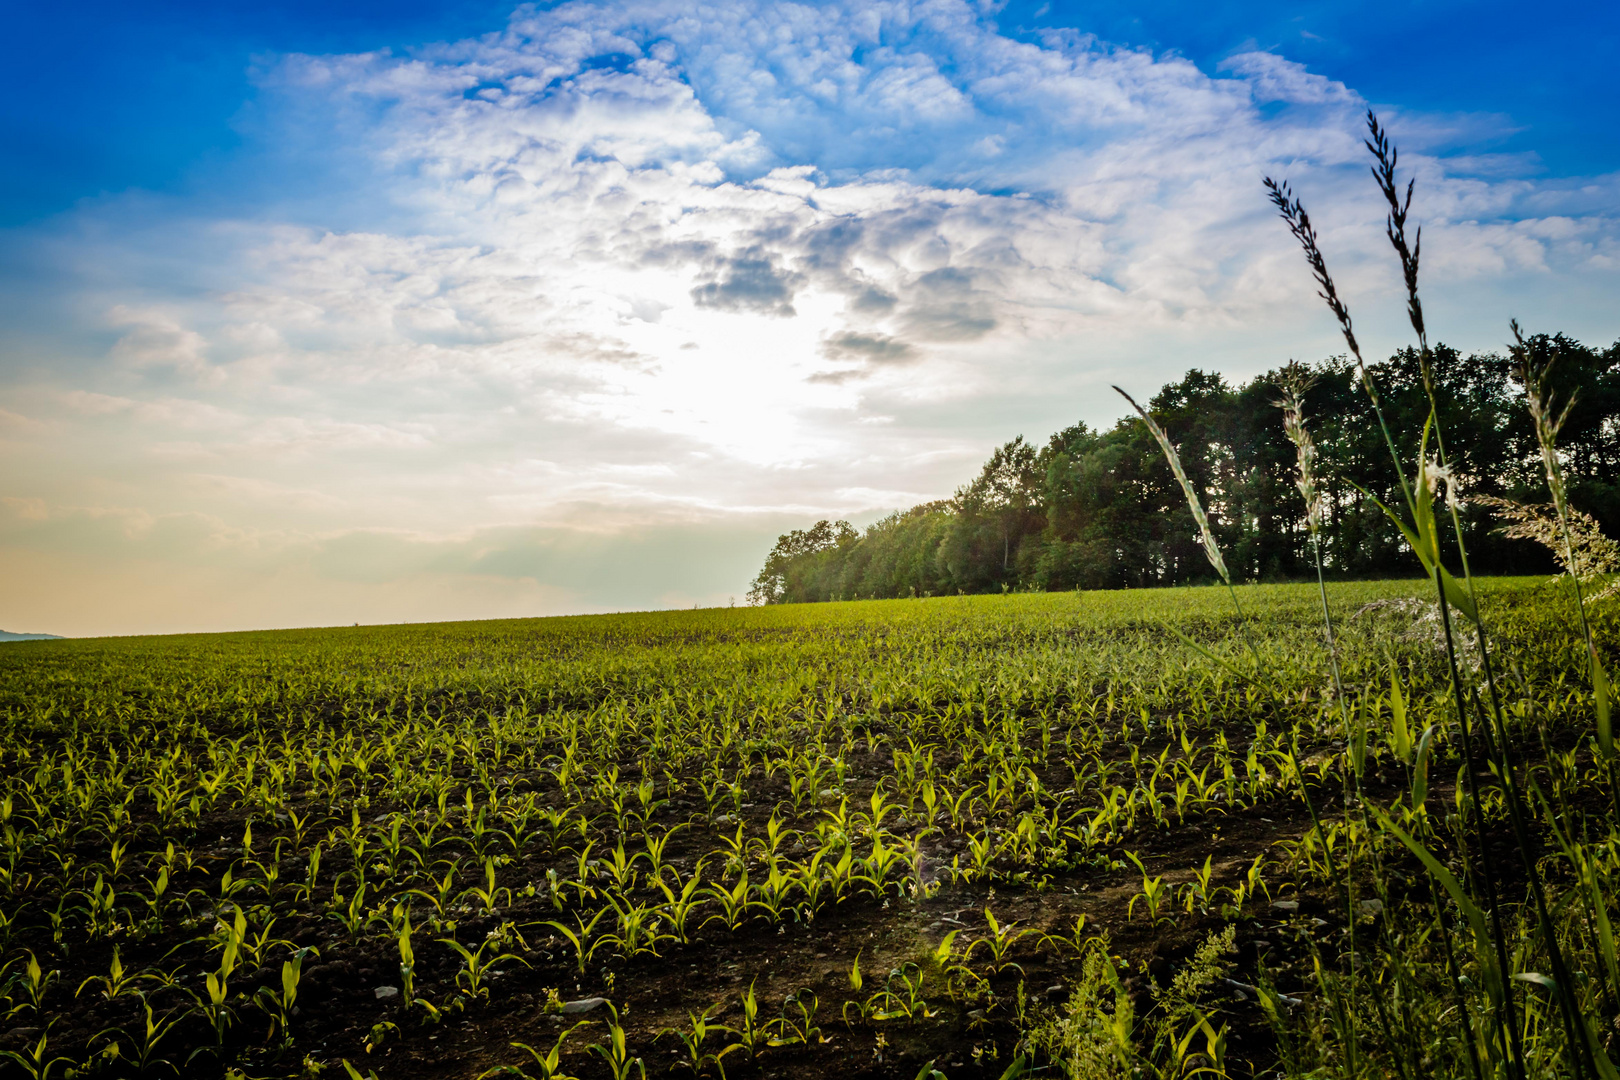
column 749, row 281
column 155, row 341
column 692, row 264
column 1275, row 78
column 875, row 348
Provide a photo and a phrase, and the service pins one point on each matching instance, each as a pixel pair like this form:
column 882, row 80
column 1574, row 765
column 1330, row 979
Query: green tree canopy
column 1100, row 509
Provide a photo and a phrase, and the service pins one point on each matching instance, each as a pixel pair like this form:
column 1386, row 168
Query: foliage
column 176, row 811
column 1094, row 510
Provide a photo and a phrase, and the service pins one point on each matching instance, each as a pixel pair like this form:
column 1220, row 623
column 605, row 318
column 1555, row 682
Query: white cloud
column 642, row 262
column 1275, row 78
column 158, row 341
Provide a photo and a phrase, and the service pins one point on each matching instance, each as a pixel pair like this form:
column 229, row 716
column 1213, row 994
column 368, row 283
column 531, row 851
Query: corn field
column 982, row 832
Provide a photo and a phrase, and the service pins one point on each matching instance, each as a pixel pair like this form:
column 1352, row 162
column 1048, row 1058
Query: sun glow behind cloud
column 578, row 314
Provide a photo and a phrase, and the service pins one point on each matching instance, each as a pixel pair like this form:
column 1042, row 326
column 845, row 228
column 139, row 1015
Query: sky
column 313, row 314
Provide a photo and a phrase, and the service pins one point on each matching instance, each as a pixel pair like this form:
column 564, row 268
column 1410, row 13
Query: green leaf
column 1423, row 504
column 1018, row 1068
column 1599, row 908
column 1483, row 953
column 1358, row 745
column 1455, row 594
column 1600, row 694
column 1401, row 741
column 1420, row 768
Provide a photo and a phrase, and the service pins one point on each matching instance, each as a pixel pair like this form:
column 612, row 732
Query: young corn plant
column 637, row 930
column 149, row 1038
column 279, row 1006
column 682, row 903
column 214, row 1003
column 615, row 1053
column 407, row 956
column 579, row 936
column 36, row 1063
column 479, row 965
column 796, row 1026
column 696, row 1037
column 548, row 1064
column 118, row 981
column 753, row 1035
column 999, row 943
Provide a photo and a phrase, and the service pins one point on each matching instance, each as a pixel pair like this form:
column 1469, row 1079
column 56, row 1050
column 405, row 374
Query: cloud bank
column 578, row 314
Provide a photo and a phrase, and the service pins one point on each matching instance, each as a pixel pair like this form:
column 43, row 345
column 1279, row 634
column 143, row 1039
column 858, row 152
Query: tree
column 786, row 563
column 1006, row 490
column 1100, row 509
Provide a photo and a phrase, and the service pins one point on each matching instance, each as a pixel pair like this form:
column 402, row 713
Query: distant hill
column 7, row 635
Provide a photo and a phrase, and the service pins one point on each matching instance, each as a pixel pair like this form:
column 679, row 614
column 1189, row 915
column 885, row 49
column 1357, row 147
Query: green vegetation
column 890, row 826
column 1098, row 510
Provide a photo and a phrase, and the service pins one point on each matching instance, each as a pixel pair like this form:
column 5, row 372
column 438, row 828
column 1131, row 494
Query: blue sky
column 156, row 90
column 315, row 313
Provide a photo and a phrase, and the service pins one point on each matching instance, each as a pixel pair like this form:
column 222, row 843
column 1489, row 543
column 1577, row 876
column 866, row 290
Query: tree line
column 1101, row 510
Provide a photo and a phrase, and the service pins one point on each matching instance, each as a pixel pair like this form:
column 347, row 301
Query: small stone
column 1057, row 993
column 1286, row 905
column 1371, row 907
column 977, row 1016
column 386, row 993
column 583, row 1005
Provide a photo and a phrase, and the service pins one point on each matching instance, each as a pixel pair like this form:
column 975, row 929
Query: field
column 1066, row 832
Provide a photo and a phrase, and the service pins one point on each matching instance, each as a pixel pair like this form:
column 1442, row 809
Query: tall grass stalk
column 1295, row 383
column 1212, row 550
column 1206, row 535
column 1420, row 536
column 1548, row 420
column 1386, row 158
column 1584, row 1055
